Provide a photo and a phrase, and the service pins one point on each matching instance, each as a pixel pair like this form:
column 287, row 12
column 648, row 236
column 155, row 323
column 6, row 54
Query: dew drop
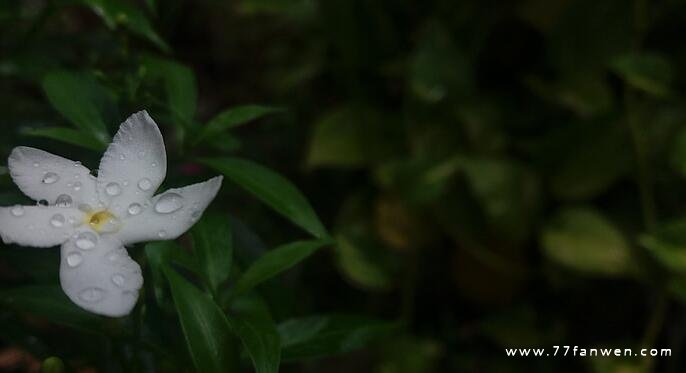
column 74, row 259
column 17, row 211
column 43, row 203
column 153, row 164
column 50, row 178
column 113, row 189
column 57, row 220
column 113, row 256
column 169, row 203
column 162, row 234
column 135, row 209
column 77, row 164
column 92, row 295
column 86, row 241
column 77, row 186
column 36, row 164
column 84, row 207
column 122, row 157
column 145, row 184
column 63, row 200
column 118, row 279
column 112, row 225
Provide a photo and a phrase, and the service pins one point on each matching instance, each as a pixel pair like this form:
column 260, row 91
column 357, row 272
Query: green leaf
column 650, row 73
column 80, row 99
column 276, row 261
column 584, row 240
column 678, row 153
column 318, row 336
column 252, row 323
column 272, row 189
column 667, row 244
column 67, row 135
column 51, row 303
column 204, row 325
column 180, row 87
column 362, row 268
column 164, row 254
column 213, row 244
column 353, row 136
column 234, row 117
column 115, row 13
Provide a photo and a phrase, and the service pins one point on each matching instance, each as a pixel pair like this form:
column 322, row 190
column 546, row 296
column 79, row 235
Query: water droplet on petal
column 113, row 256
column 36, row 164
column 84, row 207
column 118, row 279
column 112, row 225
column 77, row 186
column 145, row 184
column 77, row 164
column 153, row 164
column 113, row 189
column 92, row 295
column 162, row 234
column 86, row 241
column 43, row 203
column 57, row 220
column 74, row 259
column 17, row 211
column 122, row 156
column 169, row 203
column 135, row 209
column 63, row 200
column 50, row 178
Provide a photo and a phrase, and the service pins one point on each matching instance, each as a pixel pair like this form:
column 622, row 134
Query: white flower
column 94, row 218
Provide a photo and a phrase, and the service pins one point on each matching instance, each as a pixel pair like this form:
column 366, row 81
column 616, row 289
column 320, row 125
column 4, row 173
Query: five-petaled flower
column 94, row 218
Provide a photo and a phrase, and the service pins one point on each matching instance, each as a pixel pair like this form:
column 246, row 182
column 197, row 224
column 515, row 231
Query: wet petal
column 38, row 226
column 134, row 165
column 168, row 215
column 44, row 176
column 97, row 274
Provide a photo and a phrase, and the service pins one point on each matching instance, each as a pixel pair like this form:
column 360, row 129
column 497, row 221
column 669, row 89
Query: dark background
column 497, row 174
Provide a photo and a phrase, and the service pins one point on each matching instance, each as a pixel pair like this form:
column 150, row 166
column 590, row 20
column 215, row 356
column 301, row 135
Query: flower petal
column 134, row 165
column 44, row 176
column 38, row 226
column 98, row 275
column 170, row 214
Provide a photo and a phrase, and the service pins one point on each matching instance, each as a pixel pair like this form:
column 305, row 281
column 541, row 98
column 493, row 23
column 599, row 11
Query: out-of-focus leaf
column 271, row 188
column 67, row 135
column 359, row 266
column 204, row 325
column 276, row 261
column 224, row 142
column 51, row 303
column 438, row 68
column 52, row 364
column 80, row 99
column 678, row 153
column 353, row 136
column 585, row 94
column 180, row 87
column 667, row 243
column 583, row 239
column 234, row 117
column 410, row 355
column 300, row 10
column 116, row 12
column 163, row 254
column 648, row 72
column 252, row 323
column 318, row 336
column 213, row 244
column 606, row 156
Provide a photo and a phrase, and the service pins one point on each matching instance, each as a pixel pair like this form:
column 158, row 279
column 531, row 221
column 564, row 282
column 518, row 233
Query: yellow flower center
column 103, row 221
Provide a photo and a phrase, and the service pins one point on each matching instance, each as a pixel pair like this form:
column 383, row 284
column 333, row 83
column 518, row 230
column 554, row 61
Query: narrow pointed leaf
column 67, row 135
column 276, row 261
column 273, row 189
column 234, row 117
column 252, row 323
column 213, row 243
column 204, row 325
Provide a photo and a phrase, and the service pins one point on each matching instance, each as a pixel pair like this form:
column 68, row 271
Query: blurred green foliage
column 494, row 175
